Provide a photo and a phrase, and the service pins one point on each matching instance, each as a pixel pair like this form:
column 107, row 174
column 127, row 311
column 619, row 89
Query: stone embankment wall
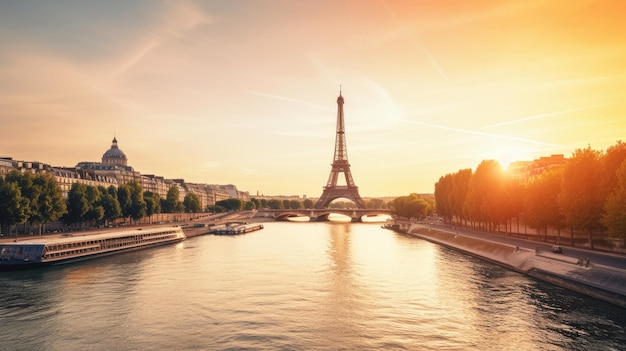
column 601, row 282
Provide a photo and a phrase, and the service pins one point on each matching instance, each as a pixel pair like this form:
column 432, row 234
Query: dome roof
column 114, row 153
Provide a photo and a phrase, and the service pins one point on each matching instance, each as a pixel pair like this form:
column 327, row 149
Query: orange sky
column 244, row 92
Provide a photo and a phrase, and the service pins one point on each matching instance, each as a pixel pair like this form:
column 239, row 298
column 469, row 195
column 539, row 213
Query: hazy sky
column 244, row 92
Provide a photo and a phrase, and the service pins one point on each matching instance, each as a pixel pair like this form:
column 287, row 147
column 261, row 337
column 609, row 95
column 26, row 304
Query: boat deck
column 72, row 236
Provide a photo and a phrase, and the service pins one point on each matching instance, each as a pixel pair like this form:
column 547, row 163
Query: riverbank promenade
column 596, row 274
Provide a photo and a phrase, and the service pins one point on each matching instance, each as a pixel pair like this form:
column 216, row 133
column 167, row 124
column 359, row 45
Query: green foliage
column 215, row 209
column 412, row 206
column 77, row 204
column 192, row 203
column 52, row 205
column 484, row 190
column 256, row 202
column 581, row 200
column 45, row 201
column 274, row 204
column 96, row 211
column 231, row 204
column 172, row 204
column 124, row 199
column 99, row 204
column 587, row 194
column 295, row 204
column 541, row 205
column 286, row 204
column 137, row 209
column 488, row 195
column 109, row 203
column 153, row 203
column 341, row 204
column 376, row 204
column 611, row 163
column 614, row 217
column 249, row 205
column 14, row 208
column 307, row 203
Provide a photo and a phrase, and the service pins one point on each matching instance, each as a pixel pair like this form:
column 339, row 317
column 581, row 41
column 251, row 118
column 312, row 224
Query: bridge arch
column 282, row 216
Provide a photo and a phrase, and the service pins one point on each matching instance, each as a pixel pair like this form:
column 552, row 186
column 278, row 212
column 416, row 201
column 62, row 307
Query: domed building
column 114, row 156
column 114, row 165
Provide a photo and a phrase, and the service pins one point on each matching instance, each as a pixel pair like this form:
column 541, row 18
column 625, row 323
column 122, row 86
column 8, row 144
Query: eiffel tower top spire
column 341, row 149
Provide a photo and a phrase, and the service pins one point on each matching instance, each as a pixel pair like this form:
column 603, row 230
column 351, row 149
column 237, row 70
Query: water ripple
column 291, row 286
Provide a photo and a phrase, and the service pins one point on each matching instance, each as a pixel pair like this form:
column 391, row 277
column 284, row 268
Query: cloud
column 472, row 132
column 431, row 59
column 135, row 56
column 544, row 115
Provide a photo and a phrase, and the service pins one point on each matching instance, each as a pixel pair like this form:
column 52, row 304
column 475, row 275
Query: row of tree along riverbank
column 587, row 196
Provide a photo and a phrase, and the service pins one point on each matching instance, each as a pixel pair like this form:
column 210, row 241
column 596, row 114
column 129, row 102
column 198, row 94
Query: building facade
column 115, row 171
column 525, row 171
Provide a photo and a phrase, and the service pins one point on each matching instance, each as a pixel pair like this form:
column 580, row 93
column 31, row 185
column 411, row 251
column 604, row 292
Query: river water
column 298, row 286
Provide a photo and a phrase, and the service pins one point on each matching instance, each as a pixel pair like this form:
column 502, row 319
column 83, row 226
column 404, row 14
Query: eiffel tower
column 340, row 164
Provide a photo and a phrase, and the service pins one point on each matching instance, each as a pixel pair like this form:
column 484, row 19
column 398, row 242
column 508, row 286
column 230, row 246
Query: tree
column 192, row 203
column 29, row 192
column 374, row 204
column 124, row 199
column 286, row 204
column 95, row 212
column 109, row 203
column 443, row 195
column 274, row 204
column 611, row 163
column 172, row 203
column 14, row 208
column 614, row 217
column 541, row 205
column 231, row 204
column 257, row 203
column 308, row 203
column 341, row 204
column 215, row 209
column 138, row 206
column 77, row 204
column 249, row 206
column 412, row 206
column 153, row 203
column 486, row 200
column 48, row 204
column 295, row 204
column 457, row 194
column 581, row 199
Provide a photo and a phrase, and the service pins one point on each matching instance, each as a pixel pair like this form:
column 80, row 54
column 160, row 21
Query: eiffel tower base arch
column 336, row 192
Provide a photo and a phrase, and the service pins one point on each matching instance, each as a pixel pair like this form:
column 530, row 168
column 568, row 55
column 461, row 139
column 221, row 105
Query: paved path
column 569, row 253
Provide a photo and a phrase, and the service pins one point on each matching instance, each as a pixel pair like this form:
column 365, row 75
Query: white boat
column 68, row 248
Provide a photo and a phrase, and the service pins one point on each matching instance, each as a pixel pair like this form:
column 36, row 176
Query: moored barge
column 77, row 247
column 236, row 229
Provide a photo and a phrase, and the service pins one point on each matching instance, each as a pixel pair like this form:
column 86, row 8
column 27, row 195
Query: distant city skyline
column 244, row 92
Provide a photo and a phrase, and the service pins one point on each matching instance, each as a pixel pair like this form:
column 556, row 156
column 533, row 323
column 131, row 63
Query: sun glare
column 509, row 154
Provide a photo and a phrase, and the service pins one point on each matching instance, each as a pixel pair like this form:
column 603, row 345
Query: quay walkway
column 596, row 274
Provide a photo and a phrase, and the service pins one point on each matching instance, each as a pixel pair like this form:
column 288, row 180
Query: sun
column 507, row 154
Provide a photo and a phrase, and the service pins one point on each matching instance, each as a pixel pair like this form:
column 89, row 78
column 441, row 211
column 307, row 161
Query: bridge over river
column 321, row 214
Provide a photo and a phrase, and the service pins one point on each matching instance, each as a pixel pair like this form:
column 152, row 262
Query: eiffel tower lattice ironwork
column 340, row 164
